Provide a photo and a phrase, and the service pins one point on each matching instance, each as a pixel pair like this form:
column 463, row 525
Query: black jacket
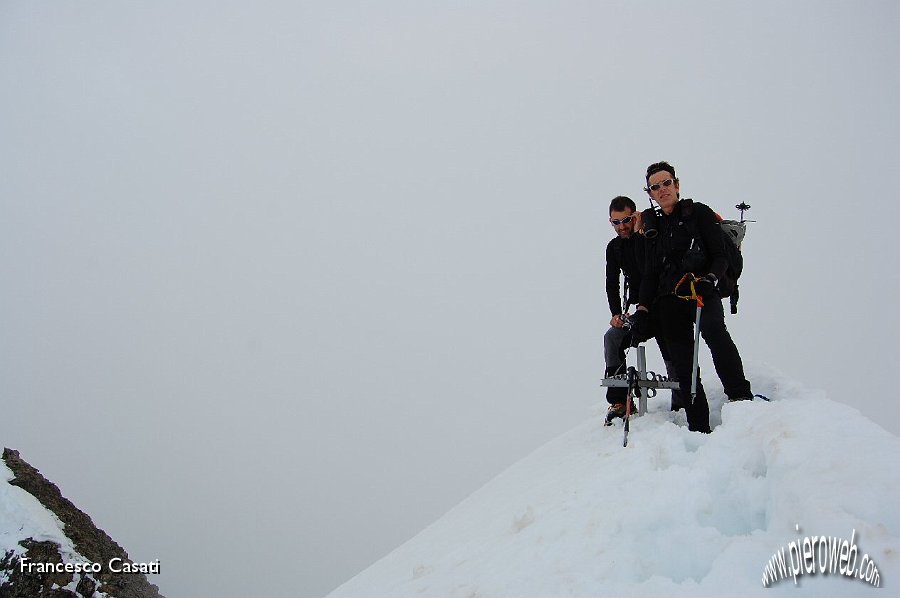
column 626, row 256
column 687, row 240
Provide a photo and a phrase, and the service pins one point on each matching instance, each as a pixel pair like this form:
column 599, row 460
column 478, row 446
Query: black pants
column 726, row 358
column 674, row 321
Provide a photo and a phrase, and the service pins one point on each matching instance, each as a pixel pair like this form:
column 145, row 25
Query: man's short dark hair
column 660, row 167
column 621, row 203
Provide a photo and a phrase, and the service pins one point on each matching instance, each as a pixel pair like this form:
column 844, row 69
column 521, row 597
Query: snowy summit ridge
column 48, row 547
column 676, row 513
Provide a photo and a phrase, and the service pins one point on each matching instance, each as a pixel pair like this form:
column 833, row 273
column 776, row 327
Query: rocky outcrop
column 90, row 543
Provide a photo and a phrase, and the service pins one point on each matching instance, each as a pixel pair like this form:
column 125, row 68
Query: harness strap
column 691, row 279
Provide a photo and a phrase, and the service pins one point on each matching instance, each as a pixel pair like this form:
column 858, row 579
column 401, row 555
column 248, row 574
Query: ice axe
column 695, row 371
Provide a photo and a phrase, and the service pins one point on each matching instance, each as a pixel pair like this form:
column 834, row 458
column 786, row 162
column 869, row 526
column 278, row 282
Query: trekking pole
column 626, row 324
column 632, row 384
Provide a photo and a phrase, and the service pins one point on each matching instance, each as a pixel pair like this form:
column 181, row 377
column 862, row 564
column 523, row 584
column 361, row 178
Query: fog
column 283, row 282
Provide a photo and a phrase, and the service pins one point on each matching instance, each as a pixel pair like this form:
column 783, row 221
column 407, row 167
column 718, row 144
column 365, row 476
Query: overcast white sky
column 339, row 263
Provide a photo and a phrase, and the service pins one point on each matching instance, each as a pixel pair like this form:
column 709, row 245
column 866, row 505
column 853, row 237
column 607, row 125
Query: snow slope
column 674, row 514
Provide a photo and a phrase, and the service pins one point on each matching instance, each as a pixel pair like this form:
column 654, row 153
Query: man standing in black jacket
column 684, row 237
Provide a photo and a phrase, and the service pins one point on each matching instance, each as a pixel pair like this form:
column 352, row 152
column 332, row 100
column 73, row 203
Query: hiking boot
column 616, row 410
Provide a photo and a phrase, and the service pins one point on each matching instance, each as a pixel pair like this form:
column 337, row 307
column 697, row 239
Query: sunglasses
column 624, row 220
column 656, row 186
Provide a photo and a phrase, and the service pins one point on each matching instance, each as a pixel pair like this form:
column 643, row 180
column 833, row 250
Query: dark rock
column 90, row 542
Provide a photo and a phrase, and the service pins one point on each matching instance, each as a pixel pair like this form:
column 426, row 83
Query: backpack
column 733, row 234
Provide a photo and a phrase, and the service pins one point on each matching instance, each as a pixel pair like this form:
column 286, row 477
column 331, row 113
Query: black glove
column 640, row 327
column 706, row 286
